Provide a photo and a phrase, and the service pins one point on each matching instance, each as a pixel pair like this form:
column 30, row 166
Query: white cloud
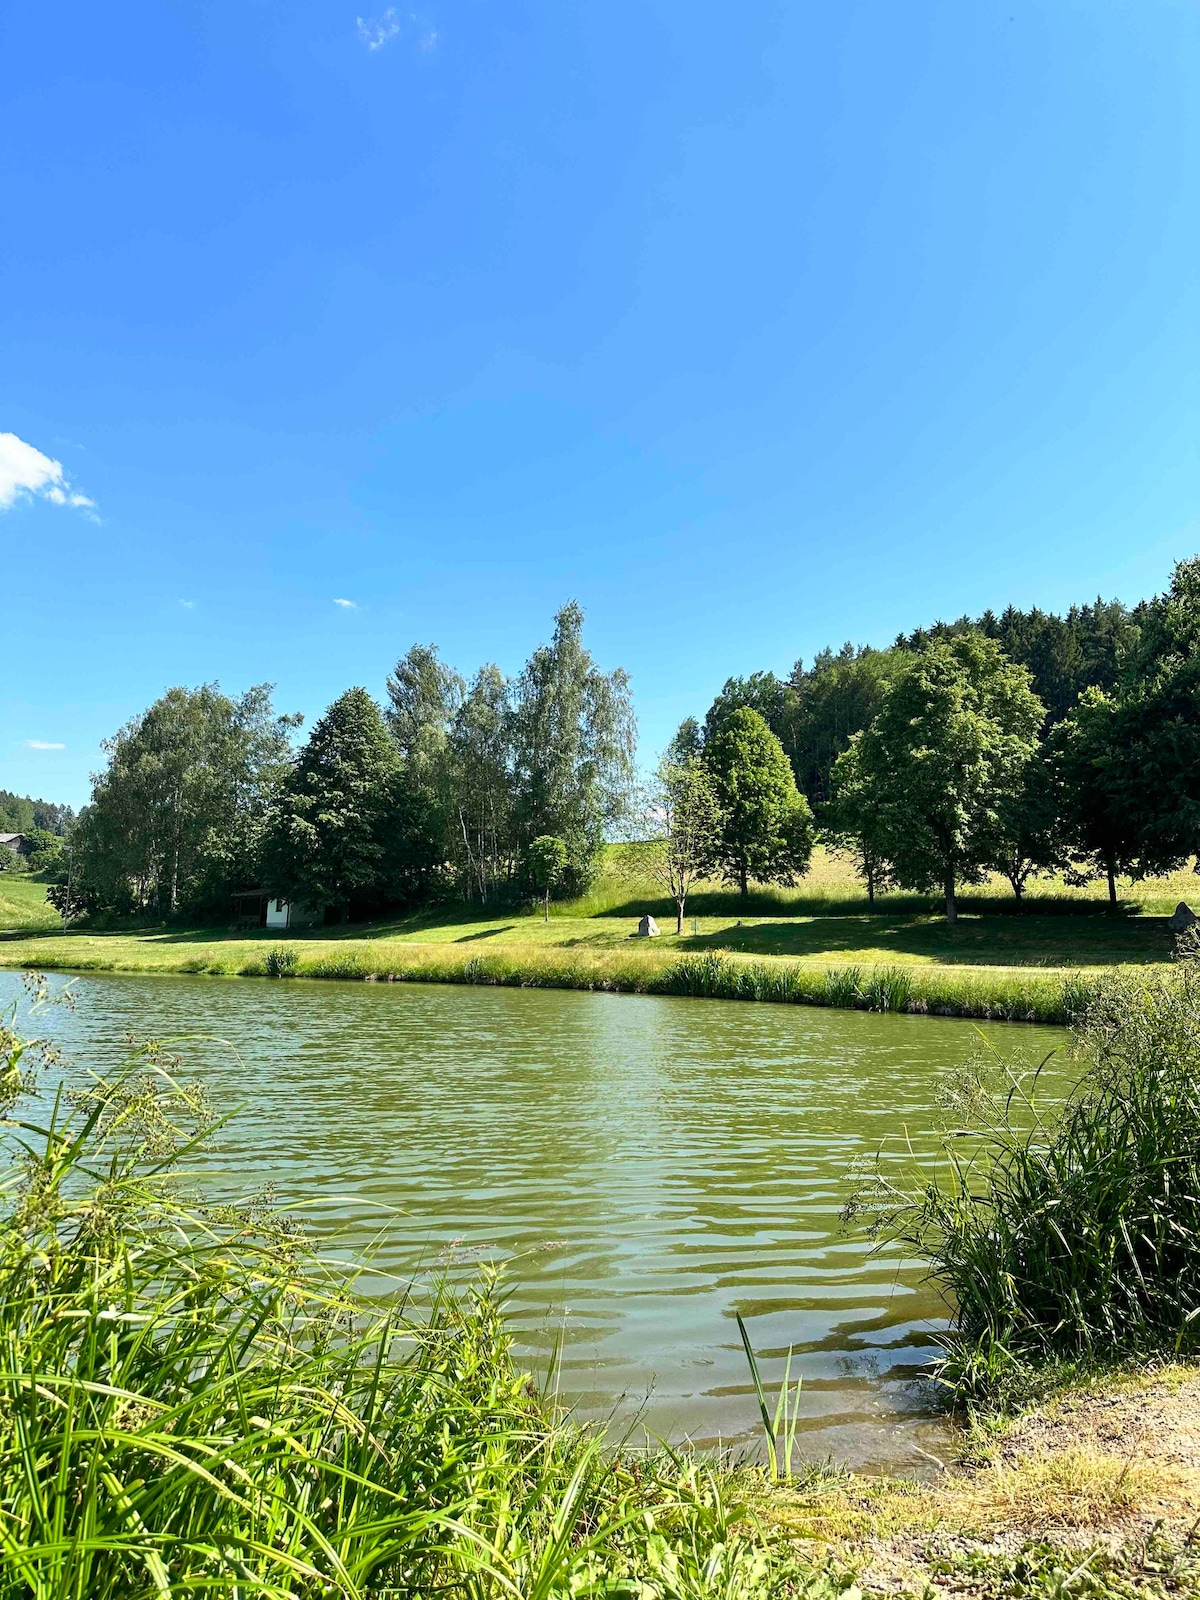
column 349, row 605
column 25, row 472
column 375, row 32
column 43, row 744
column 188, row 605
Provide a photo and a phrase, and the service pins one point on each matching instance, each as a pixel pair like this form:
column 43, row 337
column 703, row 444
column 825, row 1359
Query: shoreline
column 1102, row 1478
column 993, row 994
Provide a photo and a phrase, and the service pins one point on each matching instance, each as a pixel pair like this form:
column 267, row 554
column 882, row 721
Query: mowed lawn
column 834, row 928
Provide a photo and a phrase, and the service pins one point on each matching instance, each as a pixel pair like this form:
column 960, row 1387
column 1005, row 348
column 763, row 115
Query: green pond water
column 648, row 1167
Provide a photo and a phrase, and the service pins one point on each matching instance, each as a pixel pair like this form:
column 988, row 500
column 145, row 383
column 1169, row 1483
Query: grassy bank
column 1006, row 994
column 994, row 964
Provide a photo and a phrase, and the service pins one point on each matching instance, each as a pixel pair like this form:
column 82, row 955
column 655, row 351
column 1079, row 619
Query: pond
column 647, row 1167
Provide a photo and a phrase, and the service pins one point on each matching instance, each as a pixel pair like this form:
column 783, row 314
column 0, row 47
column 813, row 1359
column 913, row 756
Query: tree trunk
column 679, row 916
column 546, row 916
column 1112, row 882
column 951, row 902
column 743, row 881
column 1018, row 888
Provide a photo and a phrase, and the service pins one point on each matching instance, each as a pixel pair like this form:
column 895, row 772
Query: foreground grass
column 1093, row 1493
column 1071, row 1240
column 193, row 1402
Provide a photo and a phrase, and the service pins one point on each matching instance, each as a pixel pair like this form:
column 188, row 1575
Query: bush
column 1071, row 1238
column 282, row 962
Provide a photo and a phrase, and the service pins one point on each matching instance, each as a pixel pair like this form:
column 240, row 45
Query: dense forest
column 815, row 710
column 1023, row 743
column 21, row 813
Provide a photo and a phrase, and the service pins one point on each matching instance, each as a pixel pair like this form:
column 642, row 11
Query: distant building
column 255, row 908
column 19, row 843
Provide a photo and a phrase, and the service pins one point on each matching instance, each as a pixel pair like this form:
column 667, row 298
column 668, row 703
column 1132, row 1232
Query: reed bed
column 194, row 1402
column 1070, row 1239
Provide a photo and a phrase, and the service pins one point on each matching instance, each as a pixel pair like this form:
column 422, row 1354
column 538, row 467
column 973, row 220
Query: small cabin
column 255, row 908
column 20, row 844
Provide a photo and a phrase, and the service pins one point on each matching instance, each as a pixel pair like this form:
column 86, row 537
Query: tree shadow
column 1063, row 941
column 484, row 933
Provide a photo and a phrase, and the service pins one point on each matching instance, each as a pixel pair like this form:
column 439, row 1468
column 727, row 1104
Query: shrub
column 282, row 962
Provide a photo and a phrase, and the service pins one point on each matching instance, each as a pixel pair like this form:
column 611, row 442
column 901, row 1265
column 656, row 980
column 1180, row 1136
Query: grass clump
column 194, row 1401
column 282, row 962
column 1071, row 1239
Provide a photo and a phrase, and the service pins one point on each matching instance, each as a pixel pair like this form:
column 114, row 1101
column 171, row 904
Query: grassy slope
column 983, row 968
column 23, row 903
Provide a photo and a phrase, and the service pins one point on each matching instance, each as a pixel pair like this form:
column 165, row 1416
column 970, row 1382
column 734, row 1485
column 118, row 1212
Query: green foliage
column 761, row 691
column 573, row 740
column 946, row 752
column 21, row 813
column 1153, row 764
column 1064, row 655
column 1031, row 834
column 1086, row 751
column 332, row 831
column 545, row 862
column 176, row 817
column 1073, row 1237
column 482, row 839
column 826, row 705
column 194, row 1401
column 681, row 824
column 282, row 962
column 766, row 825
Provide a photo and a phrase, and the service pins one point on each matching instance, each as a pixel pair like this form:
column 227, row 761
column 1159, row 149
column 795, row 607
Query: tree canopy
column 766, row 825
column 176, row 817
column 947, row 749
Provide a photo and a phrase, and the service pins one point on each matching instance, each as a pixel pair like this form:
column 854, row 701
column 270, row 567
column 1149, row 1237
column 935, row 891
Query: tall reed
column 1072, row 1236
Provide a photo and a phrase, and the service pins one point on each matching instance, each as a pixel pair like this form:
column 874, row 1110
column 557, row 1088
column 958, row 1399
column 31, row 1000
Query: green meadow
column 820, row 943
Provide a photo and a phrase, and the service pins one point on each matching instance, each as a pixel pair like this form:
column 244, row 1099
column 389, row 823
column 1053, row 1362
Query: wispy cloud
column 375, row 32
column 43, row 744
column 26, row 472
column 188, row 605
column 347, row 605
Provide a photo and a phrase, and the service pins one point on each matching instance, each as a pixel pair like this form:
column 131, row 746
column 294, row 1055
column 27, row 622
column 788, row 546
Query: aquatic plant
column 282, row 962
column 1072, row 1237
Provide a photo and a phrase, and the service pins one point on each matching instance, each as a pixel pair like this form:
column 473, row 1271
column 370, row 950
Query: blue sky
column 752, row 328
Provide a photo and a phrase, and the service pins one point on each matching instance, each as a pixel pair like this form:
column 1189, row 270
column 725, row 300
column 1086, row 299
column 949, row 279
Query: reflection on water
column 651, row 1166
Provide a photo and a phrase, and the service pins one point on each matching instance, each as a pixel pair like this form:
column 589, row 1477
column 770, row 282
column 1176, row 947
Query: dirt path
column 1096, row 1493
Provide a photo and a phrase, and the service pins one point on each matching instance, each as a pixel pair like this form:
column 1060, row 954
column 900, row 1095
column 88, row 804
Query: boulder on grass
column 647, row 929
column 1182, row 918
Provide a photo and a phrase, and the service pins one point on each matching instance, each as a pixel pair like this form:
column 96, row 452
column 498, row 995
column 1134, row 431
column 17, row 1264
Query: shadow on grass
column 976, row 941
column 484, row 933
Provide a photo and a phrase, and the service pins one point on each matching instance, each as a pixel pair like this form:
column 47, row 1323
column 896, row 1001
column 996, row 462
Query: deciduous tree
column 573, row 741
column 945, row 752
column 681, row 830
column 766, row 824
